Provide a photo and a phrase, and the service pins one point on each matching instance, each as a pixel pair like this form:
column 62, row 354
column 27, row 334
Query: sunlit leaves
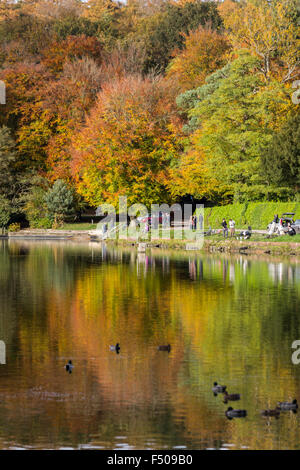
column 128, row 143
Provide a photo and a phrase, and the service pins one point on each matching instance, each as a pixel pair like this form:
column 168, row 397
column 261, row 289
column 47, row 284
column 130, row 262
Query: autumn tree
column 79, row 84
column 160, row 34
column 71, row 48
column 204, row 52
column 128, row 143
column 268, row 29
column 7, row 162
column 235, row 115
column 5, row 212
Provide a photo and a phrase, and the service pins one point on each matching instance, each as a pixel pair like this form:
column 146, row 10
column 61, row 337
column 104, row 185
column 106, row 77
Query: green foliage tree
column 59, row 202
column 5, row 212
column 161, row 33
column 235, row 115
column 72, row 25
column 281, row 161
column 33, row 202
column 7, row 161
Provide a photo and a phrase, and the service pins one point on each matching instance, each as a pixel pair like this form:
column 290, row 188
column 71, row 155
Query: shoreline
column 210, row 245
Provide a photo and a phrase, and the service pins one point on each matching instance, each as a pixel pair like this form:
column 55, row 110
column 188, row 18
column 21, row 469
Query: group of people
column 155, row 219
column 281, row 227
column 231, row 228
column 194, row 222
column 245, row 234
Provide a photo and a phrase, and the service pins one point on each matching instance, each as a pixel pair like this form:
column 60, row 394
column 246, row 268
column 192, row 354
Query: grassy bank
column 218, row 244
column 258, row 244
column 257, row 237
column 78, row 226
column 256, row 214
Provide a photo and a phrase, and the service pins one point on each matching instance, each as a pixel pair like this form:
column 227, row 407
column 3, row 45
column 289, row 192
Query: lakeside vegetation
column 257, row 215
column 150, row 100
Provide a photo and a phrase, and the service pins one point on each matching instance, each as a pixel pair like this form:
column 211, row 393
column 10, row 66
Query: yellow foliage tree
column 205, row 51
column 193, row 175
column 269, row 30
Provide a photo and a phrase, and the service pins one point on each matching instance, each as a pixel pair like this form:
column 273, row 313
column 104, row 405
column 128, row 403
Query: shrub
column 35, row 208
column 44, row 222
column 5, row 212
column 15, row 227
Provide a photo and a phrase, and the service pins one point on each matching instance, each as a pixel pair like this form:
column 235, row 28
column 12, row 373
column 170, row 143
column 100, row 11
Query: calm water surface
column 228, row 319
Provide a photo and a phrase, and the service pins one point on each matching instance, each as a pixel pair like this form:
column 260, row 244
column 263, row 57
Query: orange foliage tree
column 128, row 143
column 73, row 47
column 68, row 100
column 205, row 51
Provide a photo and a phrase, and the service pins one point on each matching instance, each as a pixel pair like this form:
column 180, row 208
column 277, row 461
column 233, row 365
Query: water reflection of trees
column 225, row 318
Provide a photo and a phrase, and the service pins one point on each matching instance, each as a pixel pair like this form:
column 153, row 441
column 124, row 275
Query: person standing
column 164, row 220
column 280, row 227
column 200, row 221
column 225, row 228
column 232, row 227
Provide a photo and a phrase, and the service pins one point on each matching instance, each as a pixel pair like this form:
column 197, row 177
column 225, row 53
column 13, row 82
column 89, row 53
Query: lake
column 228, row 319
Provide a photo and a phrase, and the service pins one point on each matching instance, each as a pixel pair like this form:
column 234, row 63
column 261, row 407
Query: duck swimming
column 231, row 413
column 69, row 367
column 115, row 348
column 286, row 406
column 275, row 412
column 231, row 396
column 163, row 347
column 218, row 388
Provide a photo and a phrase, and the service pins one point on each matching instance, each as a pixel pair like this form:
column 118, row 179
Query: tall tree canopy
column 151, row 98
column 204, row 52
column 281, row 161
column 235, row 116
column 268, row 29
column 128, row 143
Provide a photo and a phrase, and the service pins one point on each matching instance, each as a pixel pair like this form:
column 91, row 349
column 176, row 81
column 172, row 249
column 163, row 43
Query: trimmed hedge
column 256, row 214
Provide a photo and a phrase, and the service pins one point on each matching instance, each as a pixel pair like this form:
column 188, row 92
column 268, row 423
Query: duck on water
column 115, row 348
column 231, row 413
column 288, row 406
column 275, row 413
column 69, row 367
column 218, row 388
column 164, row 347
column 231, row 397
